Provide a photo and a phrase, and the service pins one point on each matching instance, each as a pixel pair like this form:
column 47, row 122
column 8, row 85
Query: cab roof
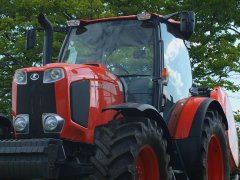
column 123, row 18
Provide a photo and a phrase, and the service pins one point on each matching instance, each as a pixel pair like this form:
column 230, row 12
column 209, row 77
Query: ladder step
column 178, row 171
column 178, row 175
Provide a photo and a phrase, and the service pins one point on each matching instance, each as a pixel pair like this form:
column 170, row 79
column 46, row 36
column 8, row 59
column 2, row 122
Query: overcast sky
column 235, row 102
column 235, row 97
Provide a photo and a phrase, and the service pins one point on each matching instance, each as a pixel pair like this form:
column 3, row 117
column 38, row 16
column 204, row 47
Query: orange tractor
column 119, row 105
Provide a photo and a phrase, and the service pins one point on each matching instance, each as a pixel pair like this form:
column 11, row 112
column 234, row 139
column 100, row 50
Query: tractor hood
column 73, row 93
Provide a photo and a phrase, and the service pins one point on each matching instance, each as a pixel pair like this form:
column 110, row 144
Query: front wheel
column 132, row 149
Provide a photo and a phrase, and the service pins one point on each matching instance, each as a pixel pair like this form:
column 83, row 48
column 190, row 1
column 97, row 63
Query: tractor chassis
column 38, row 158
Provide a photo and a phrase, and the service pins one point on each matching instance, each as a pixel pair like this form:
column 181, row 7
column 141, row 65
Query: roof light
column 144, row 16
column 73, row 23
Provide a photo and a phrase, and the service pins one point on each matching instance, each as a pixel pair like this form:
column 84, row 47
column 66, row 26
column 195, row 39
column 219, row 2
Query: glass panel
column 176, row 59
column 125, row 47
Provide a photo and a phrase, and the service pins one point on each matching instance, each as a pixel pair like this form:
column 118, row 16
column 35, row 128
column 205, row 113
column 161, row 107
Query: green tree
column 214, row 51
column 237, row 118
column 16, row 16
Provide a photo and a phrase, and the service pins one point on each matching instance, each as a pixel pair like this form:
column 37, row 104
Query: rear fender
column 186, row 123
column 143, row 110
column 220, row 95
column 187, row 117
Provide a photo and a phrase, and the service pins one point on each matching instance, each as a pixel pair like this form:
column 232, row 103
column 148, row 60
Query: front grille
column 35, row 98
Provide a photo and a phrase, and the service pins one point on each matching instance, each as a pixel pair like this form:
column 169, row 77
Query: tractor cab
column 138, row 50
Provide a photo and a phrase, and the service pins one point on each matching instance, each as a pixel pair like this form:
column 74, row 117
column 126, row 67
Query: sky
column 235, row 97
column 234, row 101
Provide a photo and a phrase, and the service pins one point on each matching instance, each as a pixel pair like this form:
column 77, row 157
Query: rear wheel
column 214, row 150
column 132, row 149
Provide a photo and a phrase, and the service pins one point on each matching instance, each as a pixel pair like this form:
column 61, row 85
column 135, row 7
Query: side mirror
column 31, row 39
column 187, row 26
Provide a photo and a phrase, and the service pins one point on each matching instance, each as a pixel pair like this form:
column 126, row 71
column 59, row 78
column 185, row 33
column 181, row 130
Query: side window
column 176, row 60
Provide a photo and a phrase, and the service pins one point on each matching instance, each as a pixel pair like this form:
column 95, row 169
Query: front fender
column 143, row 110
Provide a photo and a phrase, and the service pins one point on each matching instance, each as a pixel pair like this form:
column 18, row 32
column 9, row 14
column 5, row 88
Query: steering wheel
column 119, row 67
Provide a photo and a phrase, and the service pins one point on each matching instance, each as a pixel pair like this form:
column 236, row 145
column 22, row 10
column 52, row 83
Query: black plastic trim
column 31, row 158
column 200, row 114
column 80, row 101
column 42, row 159
column 189, row 150
column 143, row 110
column 158, row 59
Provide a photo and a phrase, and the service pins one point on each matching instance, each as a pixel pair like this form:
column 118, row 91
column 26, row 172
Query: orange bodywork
column 182, row 117
column 220, row 95
column 105, row 90
column 183, row 114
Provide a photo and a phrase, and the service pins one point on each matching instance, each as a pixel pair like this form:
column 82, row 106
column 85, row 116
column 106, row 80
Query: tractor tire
column 5, row 132
column 132, row 149
column 214, row 154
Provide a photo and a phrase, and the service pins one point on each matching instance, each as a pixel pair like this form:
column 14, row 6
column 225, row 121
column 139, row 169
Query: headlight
column 20, row 77
column 52, row 123
column 21, row 123
column 53, row 75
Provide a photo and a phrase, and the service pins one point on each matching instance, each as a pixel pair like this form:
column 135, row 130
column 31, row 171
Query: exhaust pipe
column 48, row 38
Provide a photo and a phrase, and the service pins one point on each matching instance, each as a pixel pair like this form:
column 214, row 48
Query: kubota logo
column 34, row 76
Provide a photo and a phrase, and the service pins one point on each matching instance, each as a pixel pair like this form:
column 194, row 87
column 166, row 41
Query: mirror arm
column 164, row 19
column 31, row 35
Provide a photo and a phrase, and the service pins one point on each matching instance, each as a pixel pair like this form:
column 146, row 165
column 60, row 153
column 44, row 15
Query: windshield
column 125, row 47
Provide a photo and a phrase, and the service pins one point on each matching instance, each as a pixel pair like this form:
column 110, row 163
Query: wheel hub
column 215, row 160
column 147, row 164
